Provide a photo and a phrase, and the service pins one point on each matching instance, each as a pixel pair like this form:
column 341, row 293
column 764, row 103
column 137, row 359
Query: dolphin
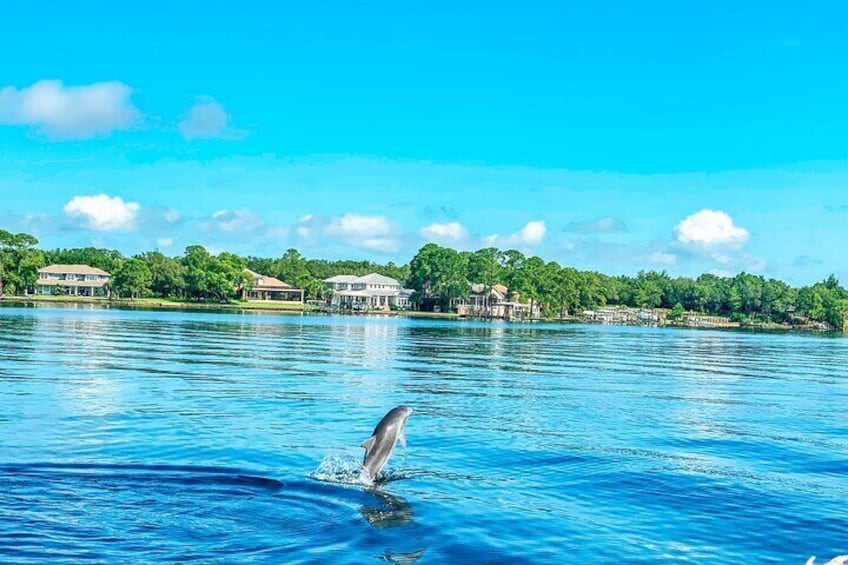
column 379, row 447
column 838, row 560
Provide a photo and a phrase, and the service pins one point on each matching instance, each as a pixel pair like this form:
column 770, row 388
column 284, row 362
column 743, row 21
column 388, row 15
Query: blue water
column 153, row 437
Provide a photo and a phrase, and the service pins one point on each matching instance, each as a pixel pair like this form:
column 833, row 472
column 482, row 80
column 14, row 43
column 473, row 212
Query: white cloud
column 376, row 233
column 207, row 119
column 165, row 242
column 355, row 225
column 236, row 221
column 530, row 235
column 710, row 228
column 103, row 212
column 69, row 112
column 369, row 232
column 451, row 233
column 723, row 273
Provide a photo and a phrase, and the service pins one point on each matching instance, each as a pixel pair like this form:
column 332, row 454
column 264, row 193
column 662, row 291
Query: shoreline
column 160, row 304
column 298, row 308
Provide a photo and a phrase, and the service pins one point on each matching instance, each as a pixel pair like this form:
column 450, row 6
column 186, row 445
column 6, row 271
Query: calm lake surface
column 150, row 437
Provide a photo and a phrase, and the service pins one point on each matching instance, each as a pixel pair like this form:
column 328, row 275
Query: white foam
column 346, row 469
column 339, row 469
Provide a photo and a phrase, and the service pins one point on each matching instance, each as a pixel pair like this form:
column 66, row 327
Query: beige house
column 479, row 300
column 493, row 303
column 371, row 292
column 73, row 280
column 269, row 288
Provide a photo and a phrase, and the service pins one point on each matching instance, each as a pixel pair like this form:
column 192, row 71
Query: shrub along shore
column 439, row 275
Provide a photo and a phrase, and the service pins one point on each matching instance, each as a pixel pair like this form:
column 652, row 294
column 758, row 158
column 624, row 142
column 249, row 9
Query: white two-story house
column 74, row 280
column 371, row 292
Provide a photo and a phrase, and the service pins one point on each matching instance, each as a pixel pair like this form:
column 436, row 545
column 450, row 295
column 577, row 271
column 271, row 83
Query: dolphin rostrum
column 379, row 447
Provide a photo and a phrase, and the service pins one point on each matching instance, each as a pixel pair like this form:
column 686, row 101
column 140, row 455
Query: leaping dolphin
column 379, row 447
column 839, row 560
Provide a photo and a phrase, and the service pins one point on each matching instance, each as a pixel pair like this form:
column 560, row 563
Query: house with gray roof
column 73, row 280
column 371, row 292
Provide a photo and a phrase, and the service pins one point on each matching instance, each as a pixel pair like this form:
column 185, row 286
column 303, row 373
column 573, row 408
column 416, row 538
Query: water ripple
column 133, row 436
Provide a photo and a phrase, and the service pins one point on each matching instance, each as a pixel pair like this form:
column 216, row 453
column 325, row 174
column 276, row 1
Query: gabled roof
column 57, row 269
column 342, row 279
column 264, row 282
column 375, row 278
column 498, row 290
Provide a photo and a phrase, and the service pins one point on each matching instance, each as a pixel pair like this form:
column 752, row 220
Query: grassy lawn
column 50, row 298
column 416, row 314
column 268, row 305
column 163, row 303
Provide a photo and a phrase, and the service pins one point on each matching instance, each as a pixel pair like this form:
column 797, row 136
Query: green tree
column 132, row 279
column 168, row 275
column 810, row 302
column 438, row 275
column 19, row 262
column 484, row 267
column 196, row 263
column 227, row 277
column 106, row 259
column 316, row 290
column 291, row 268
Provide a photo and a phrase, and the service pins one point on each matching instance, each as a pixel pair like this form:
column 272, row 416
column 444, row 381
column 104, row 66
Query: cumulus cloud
column 235, row 221
column 376, row 233
column 709, row 229
column 165, row 241
column 601, row 225
column 103, row 212
column 69, row 112
column 369, row 232
column 451, row 233
column 531, row 235
column 207, row 119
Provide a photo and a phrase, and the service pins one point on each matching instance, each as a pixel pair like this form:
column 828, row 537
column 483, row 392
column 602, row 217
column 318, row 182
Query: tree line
column 438, row 275
column 195, row 275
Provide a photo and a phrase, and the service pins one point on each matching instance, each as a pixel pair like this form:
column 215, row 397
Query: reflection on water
column 404, row 558
column 132, row 436
column 389, row 512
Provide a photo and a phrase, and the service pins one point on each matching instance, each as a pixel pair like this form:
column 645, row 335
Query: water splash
column 343, row 469
column 346, row 469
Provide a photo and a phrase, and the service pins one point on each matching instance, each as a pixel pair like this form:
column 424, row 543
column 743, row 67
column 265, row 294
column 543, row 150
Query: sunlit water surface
column 151, row 437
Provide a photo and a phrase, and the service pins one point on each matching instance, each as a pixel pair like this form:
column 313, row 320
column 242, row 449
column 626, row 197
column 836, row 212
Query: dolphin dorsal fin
column 369, row 443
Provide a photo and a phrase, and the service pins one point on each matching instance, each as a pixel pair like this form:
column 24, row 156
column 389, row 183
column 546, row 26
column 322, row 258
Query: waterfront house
column 403, row 300
column 73, row 280
column 270, row 288
column 493, row 302
column 371, row 292
column 624, row 315
column 479, row 299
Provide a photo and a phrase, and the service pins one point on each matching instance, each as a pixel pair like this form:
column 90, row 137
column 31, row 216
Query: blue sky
column 610, row 136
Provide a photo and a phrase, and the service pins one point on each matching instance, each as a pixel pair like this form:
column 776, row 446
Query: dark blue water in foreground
column 147, row 437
